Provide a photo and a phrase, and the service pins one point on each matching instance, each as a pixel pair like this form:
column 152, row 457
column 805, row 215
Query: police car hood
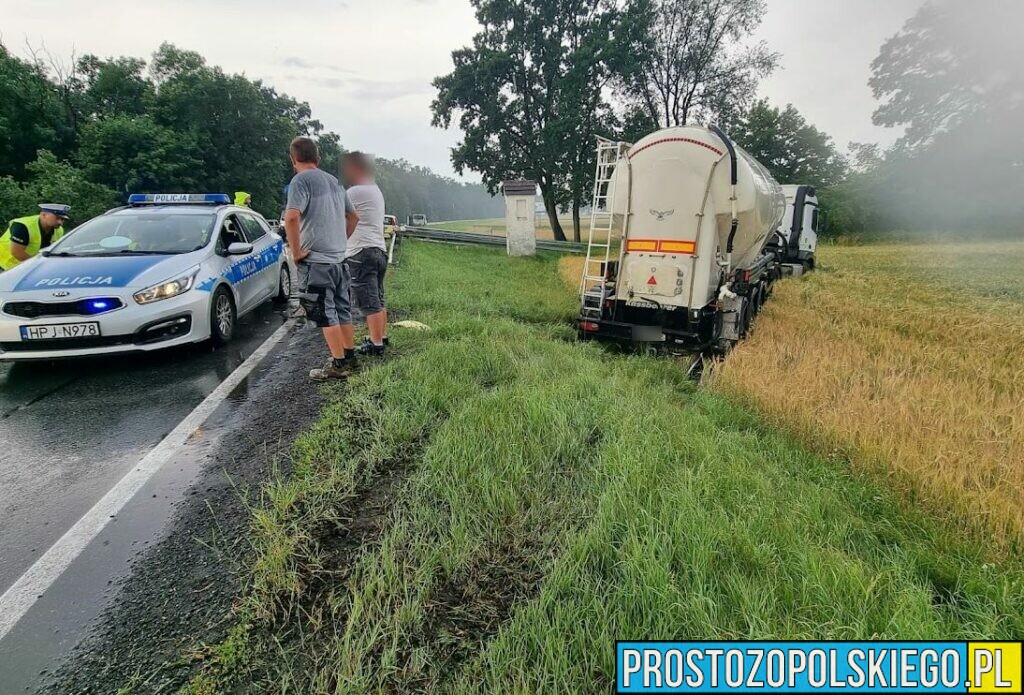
column 93, row 273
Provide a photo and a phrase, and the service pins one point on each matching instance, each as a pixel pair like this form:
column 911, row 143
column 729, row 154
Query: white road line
column 21, row 596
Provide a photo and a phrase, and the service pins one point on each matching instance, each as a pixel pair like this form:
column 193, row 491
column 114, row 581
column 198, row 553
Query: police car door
column 238, row 269
column 266, row 247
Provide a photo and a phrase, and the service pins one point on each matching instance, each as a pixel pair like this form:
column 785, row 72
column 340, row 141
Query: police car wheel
column 284, row 285
column 222, row 316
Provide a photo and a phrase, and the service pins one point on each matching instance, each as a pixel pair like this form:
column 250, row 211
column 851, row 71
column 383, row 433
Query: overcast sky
column 365, row 66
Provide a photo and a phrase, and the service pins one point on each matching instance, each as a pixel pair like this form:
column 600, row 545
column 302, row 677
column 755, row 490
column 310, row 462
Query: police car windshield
column 138, row 232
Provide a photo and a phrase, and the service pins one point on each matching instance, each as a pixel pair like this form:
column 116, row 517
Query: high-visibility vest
column 35, row 241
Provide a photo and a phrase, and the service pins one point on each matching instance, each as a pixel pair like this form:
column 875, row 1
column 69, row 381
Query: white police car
column 162, row 271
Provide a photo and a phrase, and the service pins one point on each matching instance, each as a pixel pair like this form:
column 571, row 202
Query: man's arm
column 298, row 199
column 19, row 241
column 351, row 216
column 19, row 251
column 291, row 230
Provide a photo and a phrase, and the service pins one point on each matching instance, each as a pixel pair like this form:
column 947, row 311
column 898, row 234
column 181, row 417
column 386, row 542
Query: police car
column 162, row 271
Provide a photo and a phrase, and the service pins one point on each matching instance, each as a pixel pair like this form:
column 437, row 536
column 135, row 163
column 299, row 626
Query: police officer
column 244, row 199
column 27, row 236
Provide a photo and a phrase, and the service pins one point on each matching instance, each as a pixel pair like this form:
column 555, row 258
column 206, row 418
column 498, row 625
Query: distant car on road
column 390, row 225
column 417, row 220
column 162, row 271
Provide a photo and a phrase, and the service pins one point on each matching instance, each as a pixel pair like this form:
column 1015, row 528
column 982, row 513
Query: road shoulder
column 182, row 586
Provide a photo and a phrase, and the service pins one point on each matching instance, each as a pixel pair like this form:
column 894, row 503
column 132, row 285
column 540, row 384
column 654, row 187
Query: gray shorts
column 367, row 270
column 323, row 293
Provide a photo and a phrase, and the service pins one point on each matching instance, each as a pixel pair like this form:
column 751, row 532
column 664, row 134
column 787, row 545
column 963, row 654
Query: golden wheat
column 907, row 359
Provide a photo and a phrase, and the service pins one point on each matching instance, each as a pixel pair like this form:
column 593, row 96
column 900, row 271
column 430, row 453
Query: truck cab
column 417, row 220
column 797, row 239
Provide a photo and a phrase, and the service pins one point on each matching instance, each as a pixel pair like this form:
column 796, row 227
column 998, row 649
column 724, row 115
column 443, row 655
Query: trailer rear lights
column 677, row 246
column 664, row 246
column 642, row 245
column 589, row 326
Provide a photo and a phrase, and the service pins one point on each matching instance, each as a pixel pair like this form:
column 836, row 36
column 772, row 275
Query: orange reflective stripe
column 642, row 245
column 677, row 246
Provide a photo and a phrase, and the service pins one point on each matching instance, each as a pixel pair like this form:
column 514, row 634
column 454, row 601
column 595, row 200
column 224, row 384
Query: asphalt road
column 69, row 432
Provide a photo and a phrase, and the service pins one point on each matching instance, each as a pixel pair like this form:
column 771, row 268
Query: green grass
column 496, row 226
column 496, row 504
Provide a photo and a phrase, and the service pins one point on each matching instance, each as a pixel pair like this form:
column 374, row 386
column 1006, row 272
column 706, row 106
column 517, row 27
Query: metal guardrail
column 453, row 237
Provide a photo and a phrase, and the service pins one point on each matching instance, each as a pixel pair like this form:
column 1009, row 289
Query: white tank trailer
column 696, row 215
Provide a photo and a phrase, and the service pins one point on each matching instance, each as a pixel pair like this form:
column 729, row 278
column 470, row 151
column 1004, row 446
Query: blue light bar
column 179, row 199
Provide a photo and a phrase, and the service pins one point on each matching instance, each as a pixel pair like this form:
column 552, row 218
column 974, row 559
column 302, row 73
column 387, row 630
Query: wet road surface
column 69, row 432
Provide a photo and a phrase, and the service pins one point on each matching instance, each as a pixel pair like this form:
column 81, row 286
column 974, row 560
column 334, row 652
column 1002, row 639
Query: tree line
column 543, row 78
column 91, row 130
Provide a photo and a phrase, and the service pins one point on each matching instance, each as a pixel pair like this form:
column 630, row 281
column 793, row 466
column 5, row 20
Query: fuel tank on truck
column 673, row 189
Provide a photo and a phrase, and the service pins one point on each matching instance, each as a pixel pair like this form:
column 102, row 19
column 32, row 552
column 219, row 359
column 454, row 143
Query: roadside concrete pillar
column 520, row 221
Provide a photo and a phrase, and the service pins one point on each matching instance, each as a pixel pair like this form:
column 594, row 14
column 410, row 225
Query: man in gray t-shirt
column 318, row 219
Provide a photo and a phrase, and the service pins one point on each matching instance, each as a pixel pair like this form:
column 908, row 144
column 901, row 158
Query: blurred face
column 49, row 220
column 353, row 173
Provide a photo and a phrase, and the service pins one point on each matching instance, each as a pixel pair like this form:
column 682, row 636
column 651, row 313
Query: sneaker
column 369, row 349
column 333, row 370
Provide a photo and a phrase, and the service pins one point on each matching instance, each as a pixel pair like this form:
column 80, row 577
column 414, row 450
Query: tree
column 31, row 115
column 410, row 189
column 114, row 87
column 88, row 131
column 951, row 63
column 241, row 128
column 793, row 150
column 529, row 93
column 50, row 180
column 134, row 153
column 695, row 65
column 953, row 76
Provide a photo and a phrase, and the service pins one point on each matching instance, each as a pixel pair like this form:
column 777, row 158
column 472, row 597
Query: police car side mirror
column 239, row 249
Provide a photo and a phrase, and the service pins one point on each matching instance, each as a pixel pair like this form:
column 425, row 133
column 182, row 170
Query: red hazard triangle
column 652, row 281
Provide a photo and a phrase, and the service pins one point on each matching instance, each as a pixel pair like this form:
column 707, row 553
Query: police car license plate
column 57, row 331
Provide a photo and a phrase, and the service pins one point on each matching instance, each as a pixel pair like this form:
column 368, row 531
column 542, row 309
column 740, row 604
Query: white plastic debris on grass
column 412, row 325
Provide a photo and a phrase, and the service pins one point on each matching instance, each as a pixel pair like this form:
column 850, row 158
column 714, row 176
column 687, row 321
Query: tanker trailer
column 693, row 213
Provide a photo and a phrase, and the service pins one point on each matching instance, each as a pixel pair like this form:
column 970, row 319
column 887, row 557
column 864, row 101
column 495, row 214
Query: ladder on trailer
column 602, row 226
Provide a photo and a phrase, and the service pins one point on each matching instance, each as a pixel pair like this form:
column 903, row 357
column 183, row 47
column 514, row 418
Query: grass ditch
column 552, row 497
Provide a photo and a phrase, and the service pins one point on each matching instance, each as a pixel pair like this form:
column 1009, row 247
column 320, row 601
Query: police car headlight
column 166, row 290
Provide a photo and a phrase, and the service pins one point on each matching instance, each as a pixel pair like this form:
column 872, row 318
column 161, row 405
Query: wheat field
column 905, row 358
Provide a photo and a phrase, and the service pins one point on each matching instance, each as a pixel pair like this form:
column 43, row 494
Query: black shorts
column 366, row 269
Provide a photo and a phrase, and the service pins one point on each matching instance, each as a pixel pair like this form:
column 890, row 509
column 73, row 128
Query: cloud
column 303, row 64
column 371, row 92
column 296, row 62
column 386, row 90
